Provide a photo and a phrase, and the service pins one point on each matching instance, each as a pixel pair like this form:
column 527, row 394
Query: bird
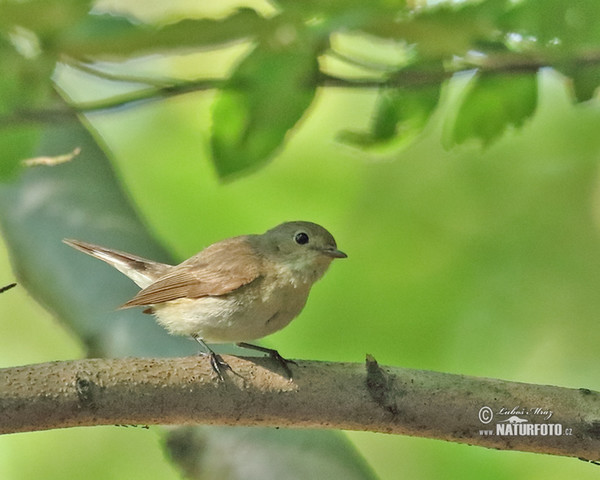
column 236, row 290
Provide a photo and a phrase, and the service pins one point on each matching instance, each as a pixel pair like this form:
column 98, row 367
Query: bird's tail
column 141, row 270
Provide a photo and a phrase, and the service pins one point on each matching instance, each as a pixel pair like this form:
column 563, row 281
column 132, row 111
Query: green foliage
column 446, row 29
column 46, row 18
column 264, row 98
column 585, row 82
column 556, row 24
column 492, row 103
column 107, row 36
column 400, row 113
column 271, row 88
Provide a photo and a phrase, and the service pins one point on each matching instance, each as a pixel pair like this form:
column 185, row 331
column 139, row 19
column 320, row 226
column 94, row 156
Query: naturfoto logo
column 519, row 421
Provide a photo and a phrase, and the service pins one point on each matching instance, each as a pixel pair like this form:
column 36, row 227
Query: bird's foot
column 216, row 362
column 274, row 354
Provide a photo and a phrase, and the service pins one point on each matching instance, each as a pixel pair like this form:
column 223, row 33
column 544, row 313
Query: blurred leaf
column 25, row 79
column 585, row 82
column 265, row 454
column 83, row 199
column 44, row 17
column 25, row 85
column 556, row 23
column 264, row 98
column 16, row 141
column 492, row 103
column 16, row 144
column 310, row 7
column 445, row 29
column 110, row 36
column 401, row 113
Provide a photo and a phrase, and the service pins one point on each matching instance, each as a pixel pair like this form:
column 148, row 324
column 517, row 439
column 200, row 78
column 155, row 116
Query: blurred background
column 470, row 260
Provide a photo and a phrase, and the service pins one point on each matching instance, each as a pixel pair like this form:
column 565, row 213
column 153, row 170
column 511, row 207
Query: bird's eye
column 301, row 238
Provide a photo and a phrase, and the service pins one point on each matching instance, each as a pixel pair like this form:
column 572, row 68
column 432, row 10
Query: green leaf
column 20, row 88
column 400, row 114
column 585, row 82
column 264, row 98
column 445, row 29
column 43, row 17
column 110, row 36
column 16, row 144
column 25, row 79
column 556, row 23
column 492, row 103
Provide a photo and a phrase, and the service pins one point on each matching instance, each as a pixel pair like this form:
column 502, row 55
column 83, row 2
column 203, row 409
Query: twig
column 7, row 287
column 409, row 78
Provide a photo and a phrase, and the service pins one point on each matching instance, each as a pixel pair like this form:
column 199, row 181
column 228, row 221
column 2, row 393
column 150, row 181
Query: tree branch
column 161, row 89
column 555, row 420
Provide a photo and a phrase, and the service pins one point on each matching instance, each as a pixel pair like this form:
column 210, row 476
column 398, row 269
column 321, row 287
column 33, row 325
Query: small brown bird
column 236, row 290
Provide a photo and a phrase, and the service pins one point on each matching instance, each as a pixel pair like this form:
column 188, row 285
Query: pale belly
column 244, row 315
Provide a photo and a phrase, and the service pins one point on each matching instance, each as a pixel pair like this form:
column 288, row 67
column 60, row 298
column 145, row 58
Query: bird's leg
column 216, row 362
column 274, row 354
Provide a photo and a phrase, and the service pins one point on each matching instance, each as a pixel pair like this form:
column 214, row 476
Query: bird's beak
column 334, row 253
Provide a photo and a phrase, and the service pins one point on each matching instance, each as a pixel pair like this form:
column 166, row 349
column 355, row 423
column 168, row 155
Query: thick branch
column 322, row 395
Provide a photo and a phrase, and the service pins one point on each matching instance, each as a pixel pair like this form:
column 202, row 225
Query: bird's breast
column 248, row 313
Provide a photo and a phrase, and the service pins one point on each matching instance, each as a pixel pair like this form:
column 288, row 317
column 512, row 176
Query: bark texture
column 132, row 391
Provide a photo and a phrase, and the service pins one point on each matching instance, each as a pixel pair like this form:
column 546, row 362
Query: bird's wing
column 219, row 269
